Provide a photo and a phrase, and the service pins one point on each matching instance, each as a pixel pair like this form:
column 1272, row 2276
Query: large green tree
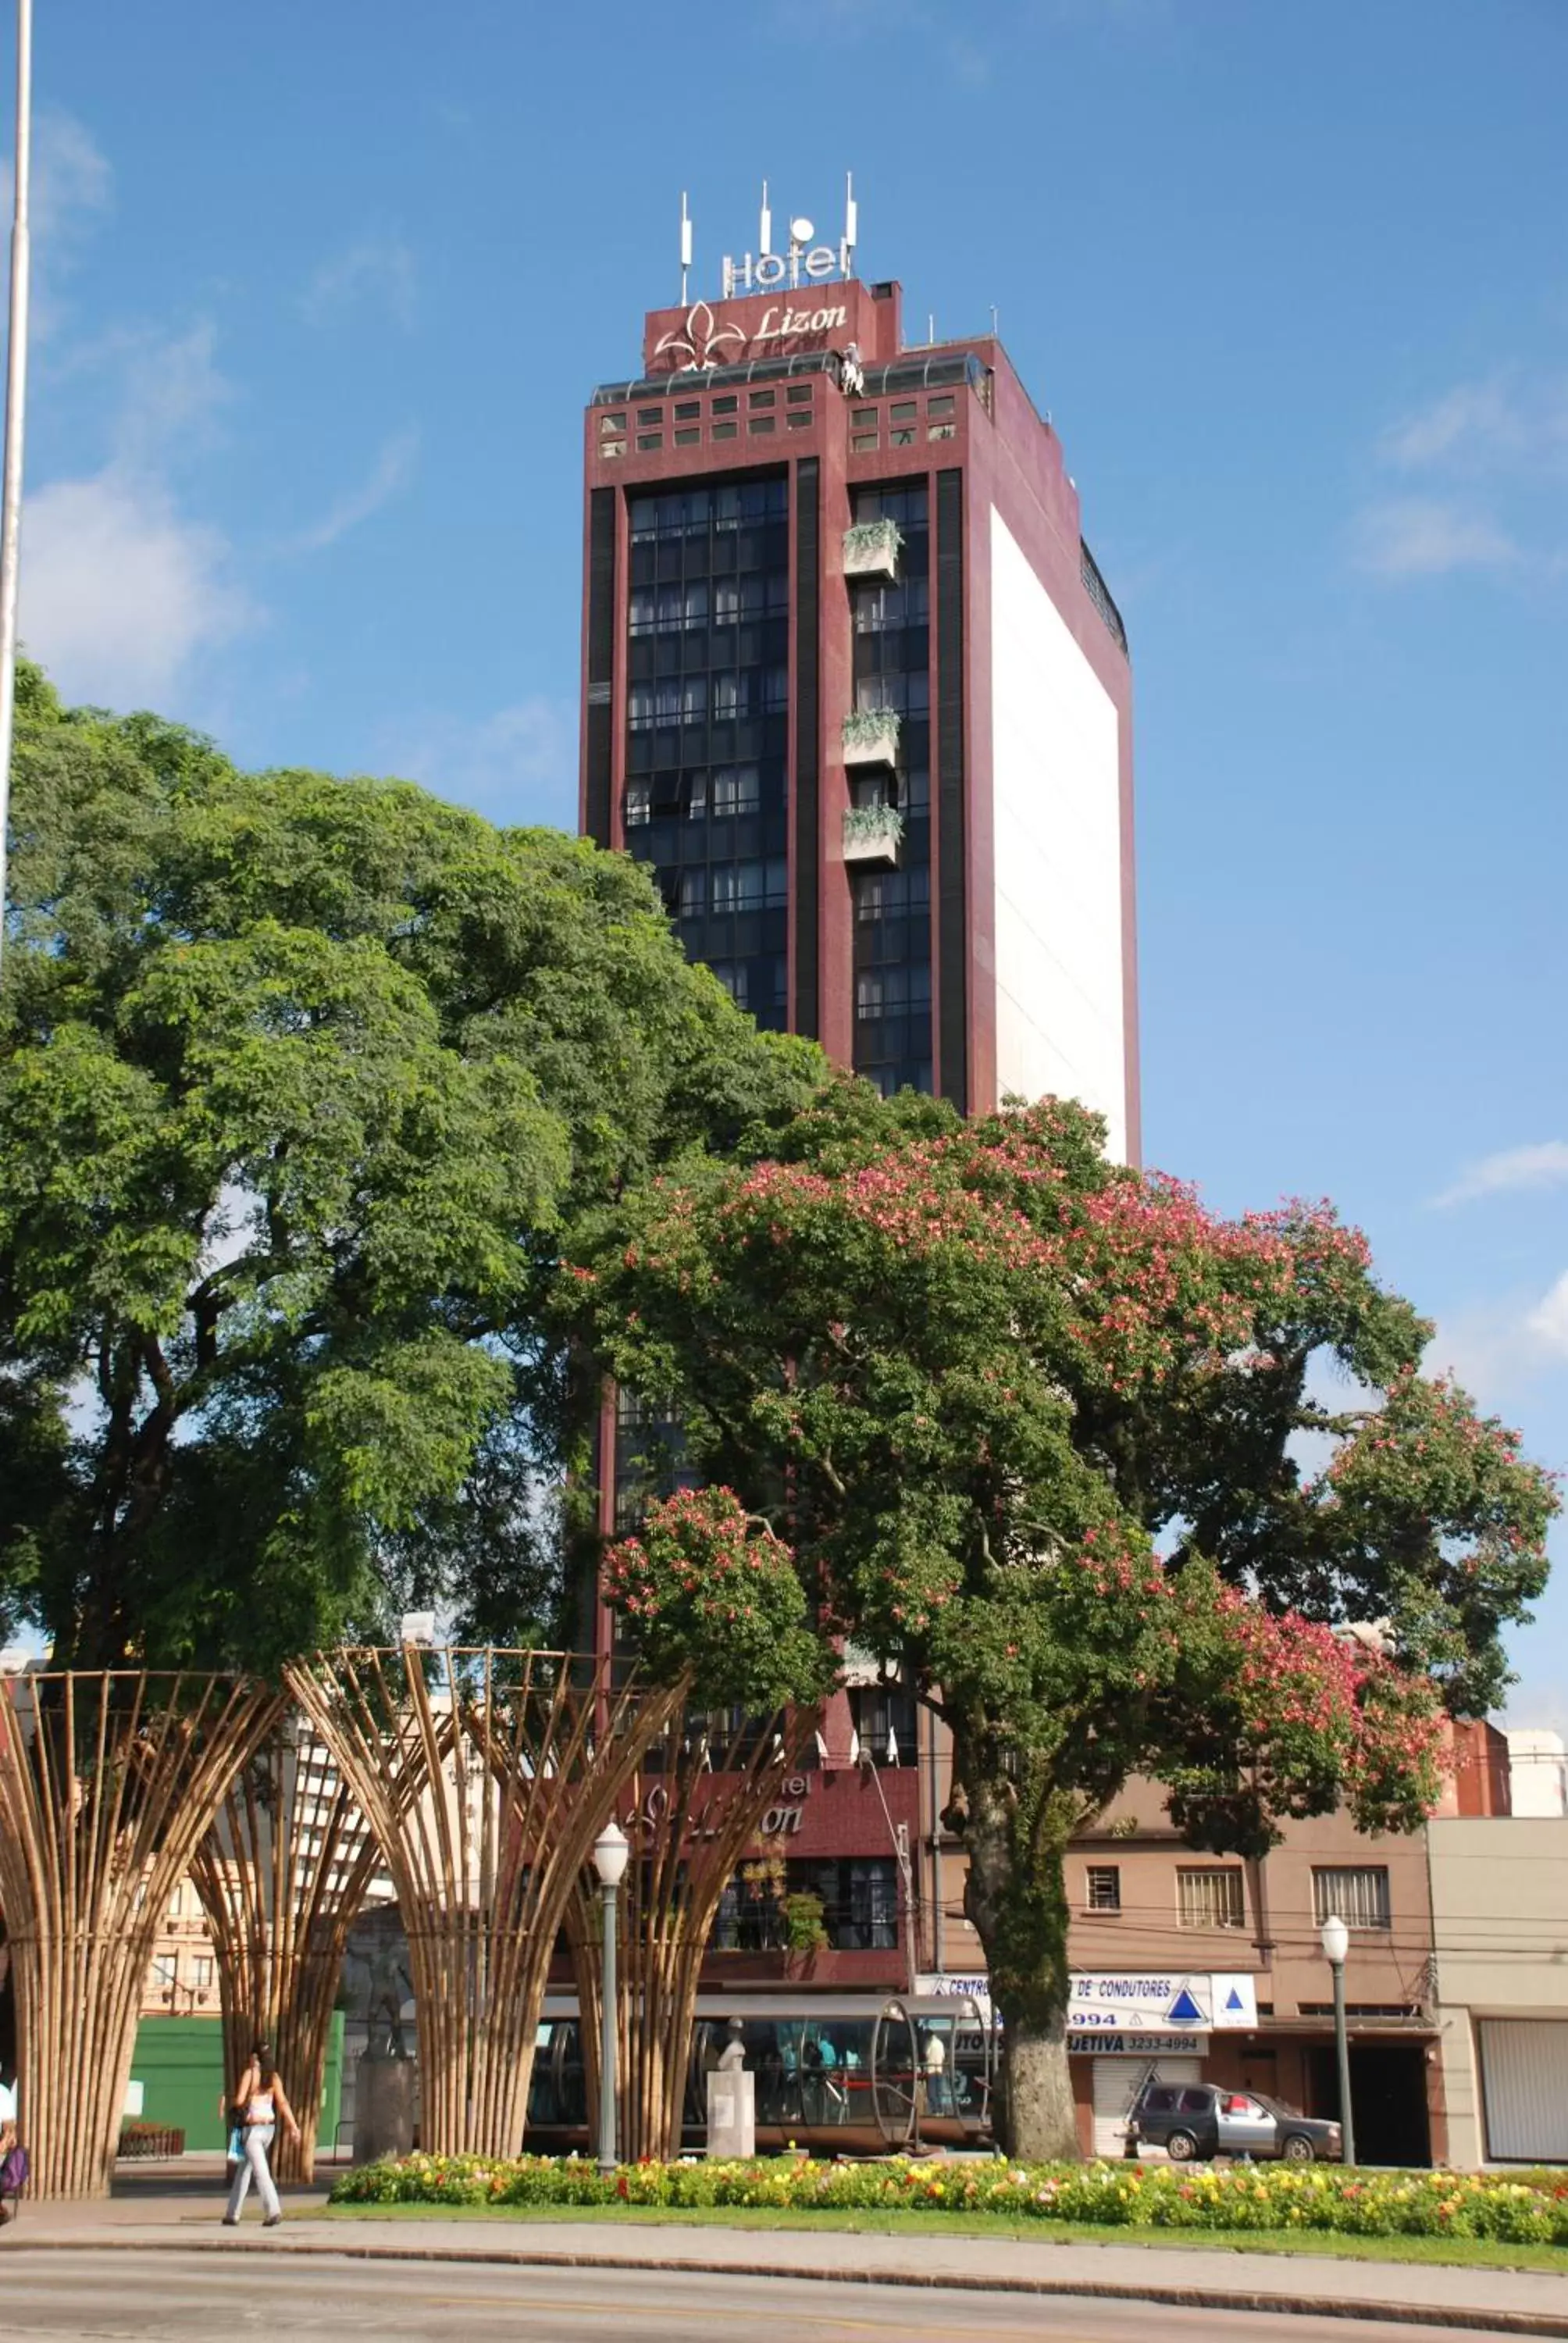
column 1033, row 1427
column 303, row 1085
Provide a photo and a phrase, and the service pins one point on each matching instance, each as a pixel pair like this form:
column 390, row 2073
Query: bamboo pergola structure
column 691, row 1811
column 282, row 1873
column 107, row 1781
column 484, row 1776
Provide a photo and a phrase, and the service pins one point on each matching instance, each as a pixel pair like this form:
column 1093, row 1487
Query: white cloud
column 172, row 393
column 516, row 765
column 73, row 188
column 119, row 592
column 1492, row 458
column 1508, row 422
column 121, row 589
column 379, row 269
column 392, row 471
column 1512, row 1168
column 1476, row 419
column 1548, row 1321
column 1498, row 1349
column 1429, row 537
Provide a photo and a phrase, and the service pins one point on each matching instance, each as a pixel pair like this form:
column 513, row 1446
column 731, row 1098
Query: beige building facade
column 1500, row 1932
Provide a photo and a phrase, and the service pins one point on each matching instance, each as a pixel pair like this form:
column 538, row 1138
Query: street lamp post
column 610, row 1852
column 1335, row 1939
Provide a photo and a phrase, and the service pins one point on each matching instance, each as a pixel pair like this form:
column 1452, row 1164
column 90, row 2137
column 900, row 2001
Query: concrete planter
column 871, row 549
column 873, row 834
column 871, row 738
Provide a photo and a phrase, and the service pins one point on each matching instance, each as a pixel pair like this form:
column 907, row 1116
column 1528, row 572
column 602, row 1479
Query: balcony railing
column 871, row 549
column 872, row 833
column 1099, row 593
column 871, row 736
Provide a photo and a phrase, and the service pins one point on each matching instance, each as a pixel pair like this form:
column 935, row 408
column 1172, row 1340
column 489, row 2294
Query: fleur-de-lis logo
column 702, row 342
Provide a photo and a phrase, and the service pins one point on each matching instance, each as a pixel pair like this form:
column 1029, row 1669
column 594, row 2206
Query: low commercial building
column 1234, row 1949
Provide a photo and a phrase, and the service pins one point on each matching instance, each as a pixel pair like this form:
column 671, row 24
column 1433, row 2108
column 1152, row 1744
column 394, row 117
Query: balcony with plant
column 871, row 736
column 872, row 833
column 871, row 549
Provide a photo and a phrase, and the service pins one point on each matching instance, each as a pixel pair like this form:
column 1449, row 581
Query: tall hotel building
column 856, row 691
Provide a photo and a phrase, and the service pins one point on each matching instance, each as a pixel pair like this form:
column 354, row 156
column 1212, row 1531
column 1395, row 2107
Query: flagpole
column 15, row 409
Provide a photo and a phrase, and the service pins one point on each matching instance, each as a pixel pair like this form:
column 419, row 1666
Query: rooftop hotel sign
column 770, row 272
column 804, row 261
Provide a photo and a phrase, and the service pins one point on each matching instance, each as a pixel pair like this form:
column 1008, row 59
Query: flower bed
column 1532, row 2210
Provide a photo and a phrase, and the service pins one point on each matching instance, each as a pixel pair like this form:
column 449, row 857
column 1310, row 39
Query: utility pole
column 15, row 411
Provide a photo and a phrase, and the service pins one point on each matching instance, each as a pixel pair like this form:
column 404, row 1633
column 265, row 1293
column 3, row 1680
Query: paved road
column 166, row 2297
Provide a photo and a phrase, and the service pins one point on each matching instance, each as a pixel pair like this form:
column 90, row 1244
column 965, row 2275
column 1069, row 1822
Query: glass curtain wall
column 708, row 719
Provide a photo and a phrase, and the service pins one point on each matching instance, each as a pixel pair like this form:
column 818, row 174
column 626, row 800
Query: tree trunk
column 1016, row 1829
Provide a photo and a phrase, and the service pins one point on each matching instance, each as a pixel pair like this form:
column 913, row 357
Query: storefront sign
column 1140, row 2003
column 1235, row 2002
column 942, row 1986
column 1136, row 2045
column 1136, row 2012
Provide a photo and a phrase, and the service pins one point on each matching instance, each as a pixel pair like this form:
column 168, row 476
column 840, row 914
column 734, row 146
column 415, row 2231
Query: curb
column 1185, row 2298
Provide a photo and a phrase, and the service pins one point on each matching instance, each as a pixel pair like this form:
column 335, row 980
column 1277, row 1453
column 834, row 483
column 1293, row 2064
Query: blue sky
column 322, row 288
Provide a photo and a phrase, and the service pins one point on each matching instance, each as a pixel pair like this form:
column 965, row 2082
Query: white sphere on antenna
column 802, row 230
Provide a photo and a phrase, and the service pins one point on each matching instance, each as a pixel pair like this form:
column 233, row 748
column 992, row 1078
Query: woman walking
column 260, row 2102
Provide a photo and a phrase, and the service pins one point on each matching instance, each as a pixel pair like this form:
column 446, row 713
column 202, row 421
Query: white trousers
column 258, row 2138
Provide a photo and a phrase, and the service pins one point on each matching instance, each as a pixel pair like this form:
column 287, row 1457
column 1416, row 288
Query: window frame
column 1098, row 1878
column 1332, row 1898
column 1205, row 1879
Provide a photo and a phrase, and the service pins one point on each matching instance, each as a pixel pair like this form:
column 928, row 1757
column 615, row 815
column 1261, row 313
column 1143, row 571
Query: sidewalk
column 165, row 2212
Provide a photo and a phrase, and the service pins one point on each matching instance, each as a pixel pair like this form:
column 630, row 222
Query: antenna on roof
column 995, row 322
column 765, row 231
column 851, row 224
column 684, row 246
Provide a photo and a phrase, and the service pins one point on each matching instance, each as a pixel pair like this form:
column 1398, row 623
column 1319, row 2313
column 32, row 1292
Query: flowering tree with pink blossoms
column 1029, row 1423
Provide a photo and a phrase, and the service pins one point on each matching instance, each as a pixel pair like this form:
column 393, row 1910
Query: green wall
column 179, row 2062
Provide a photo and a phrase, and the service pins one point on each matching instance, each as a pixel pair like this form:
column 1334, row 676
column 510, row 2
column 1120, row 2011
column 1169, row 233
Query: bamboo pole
column 282, row 1874
column 484, row 1776
column 106, row 1783
column 691, row 1811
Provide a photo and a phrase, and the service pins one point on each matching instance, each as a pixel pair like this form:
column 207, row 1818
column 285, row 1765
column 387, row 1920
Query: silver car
column 1195, row 2121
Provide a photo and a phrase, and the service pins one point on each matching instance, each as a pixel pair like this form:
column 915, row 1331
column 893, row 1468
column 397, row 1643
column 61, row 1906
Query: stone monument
column 731, row 2100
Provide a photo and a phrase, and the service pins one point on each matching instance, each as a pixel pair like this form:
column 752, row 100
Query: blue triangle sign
column 1184, row 2010
column 1233, row 2000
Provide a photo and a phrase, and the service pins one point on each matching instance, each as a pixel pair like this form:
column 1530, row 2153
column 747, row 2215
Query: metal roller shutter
column 1116, row 2082
column 1524, row 2088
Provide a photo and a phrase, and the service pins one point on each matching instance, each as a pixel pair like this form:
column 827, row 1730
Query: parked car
column 1194, row 2121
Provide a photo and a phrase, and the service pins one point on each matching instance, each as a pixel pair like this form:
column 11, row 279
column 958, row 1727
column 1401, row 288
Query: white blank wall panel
column 1057, row 830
